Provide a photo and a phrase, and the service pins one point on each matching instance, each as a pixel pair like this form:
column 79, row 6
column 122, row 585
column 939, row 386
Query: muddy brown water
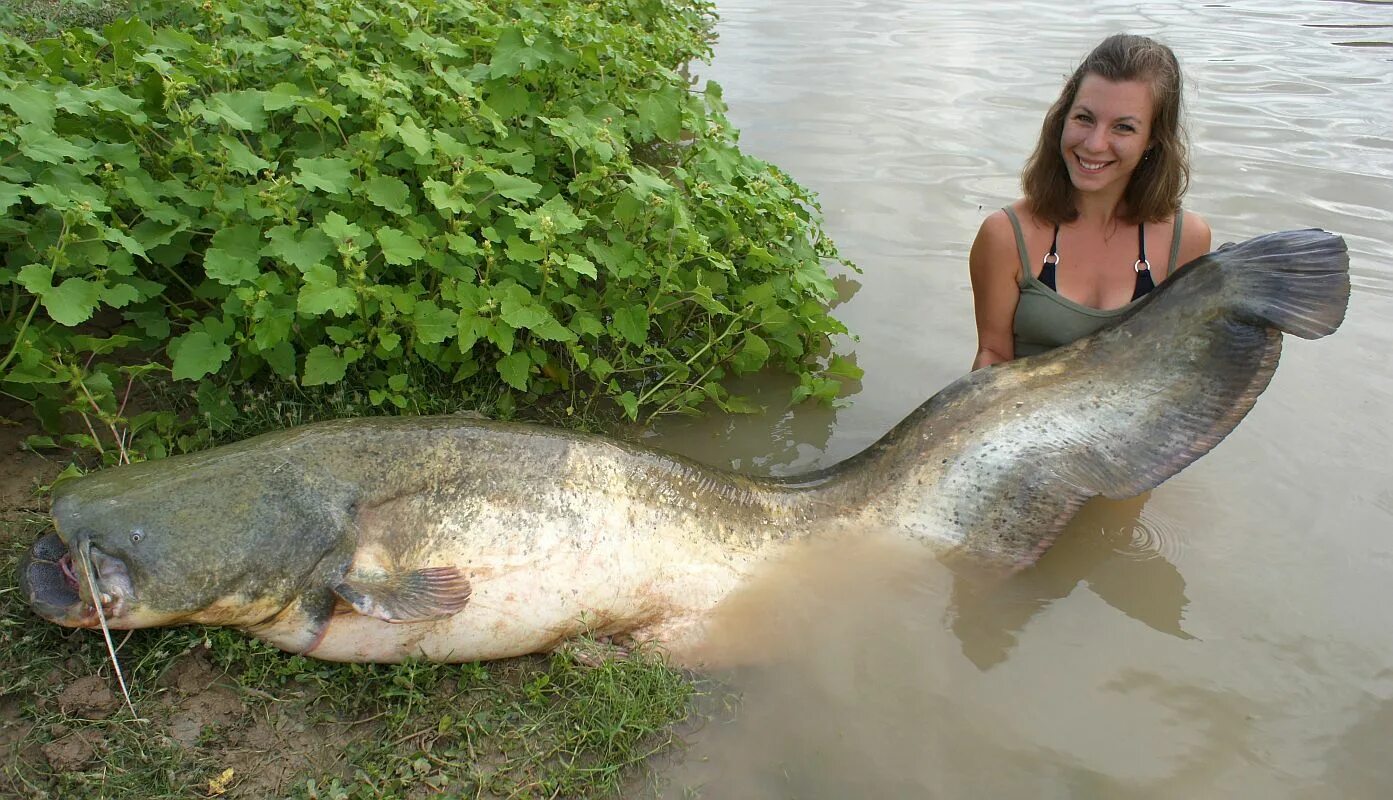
column 1230, row 634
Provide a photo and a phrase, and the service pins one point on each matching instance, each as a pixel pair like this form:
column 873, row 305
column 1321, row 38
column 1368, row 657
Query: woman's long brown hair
column 1153, row 194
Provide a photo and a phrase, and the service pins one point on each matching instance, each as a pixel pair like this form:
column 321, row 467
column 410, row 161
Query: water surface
column 1227, row 635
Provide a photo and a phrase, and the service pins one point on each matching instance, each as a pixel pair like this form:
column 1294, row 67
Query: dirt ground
column 21, row 471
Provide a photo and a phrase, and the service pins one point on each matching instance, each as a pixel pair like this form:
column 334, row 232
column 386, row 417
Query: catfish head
column 220, row 538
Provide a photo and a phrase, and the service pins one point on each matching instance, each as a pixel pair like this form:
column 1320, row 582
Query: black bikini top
column 1142, row 266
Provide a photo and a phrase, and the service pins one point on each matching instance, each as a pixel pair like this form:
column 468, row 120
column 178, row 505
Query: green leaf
column 580, row 265
column 399, row 248
column 753, row 353
column 109, row 98
column 557, row 212
column 663, row 111
column 514, row 369
column 120, row 295
column 281, row 359
column 601, row 369
column 508, row 100
column 632, row 323
column 513, row 187
column 842, row 367
column 518, row 310
column 630, row 404
column 587, row 324
column 328, row 175
column 415, row 137
column 128, row 243
column 501, row 334
column 463, row 244
column 646, row 183
column 37, row 279
column 448, row 146
column 323, row 366
column 233, row 255
column 554, row 331
column 300, row 249
column 339, row 229
column 196, row 354
column 44, row 147
column 389, row 193
column 243, row 111
column 72, row 302
column 702, row 296
column 469, row 328
column 283, row 96
column 31, row 104
column 340, row 334
column 619, row 258
column 446, row 197
column 511, row 54
column 10, row 193
column 736, row 404
column 241, row 159
column 433, row 324
column 322, row 293
column 518, row 250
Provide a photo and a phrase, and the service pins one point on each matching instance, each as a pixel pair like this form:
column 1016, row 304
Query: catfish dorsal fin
column 415, row 596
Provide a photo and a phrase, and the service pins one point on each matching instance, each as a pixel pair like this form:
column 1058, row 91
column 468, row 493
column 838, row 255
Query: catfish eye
column 136, row 536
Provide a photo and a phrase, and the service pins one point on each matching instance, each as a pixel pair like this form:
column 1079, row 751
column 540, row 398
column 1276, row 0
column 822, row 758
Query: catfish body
column 458, row 539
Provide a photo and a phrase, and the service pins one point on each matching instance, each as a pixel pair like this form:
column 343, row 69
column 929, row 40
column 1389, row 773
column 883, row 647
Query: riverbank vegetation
column 517, row 207
column 225, row 216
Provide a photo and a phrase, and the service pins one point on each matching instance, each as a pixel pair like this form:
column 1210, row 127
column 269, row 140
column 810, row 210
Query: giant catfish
column 457, row 539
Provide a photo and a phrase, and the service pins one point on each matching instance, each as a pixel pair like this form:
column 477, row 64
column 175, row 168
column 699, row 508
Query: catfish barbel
column 456, row 539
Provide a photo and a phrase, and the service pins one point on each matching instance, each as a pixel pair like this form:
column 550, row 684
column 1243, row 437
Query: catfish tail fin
column 1296, row 281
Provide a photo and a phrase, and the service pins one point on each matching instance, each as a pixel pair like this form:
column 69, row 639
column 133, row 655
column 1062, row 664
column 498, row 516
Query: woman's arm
column 993, row 263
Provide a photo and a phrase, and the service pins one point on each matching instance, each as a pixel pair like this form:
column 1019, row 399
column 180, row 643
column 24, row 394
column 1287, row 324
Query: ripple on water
column 1154, row 535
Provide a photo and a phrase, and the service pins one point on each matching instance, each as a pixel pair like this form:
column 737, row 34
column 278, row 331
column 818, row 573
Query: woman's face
column 1106, row 132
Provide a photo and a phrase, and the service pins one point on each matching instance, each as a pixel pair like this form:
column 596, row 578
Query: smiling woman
column 1105, row 181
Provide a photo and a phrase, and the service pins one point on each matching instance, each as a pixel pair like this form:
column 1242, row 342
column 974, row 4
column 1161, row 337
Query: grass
column 288, row 726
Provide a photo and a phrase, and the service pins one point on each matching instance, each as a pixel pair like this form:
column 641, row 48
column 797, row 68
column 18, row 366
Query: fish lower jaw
column 113, row 612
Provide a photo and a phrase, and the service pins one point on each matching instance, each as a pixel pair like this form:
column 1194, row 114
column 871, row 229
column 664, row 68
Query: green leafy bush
column 33, row 19
column 391, row 195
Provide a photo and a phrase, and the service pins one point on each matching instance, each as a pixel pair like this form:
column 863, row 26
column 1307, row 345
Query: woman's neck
column 1098, row 210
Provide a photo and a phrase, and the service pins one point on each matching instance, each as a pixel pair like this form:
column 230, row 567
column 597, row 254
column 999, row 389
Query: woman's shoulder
column 1194, row 236
column 997, row 232
column 1002, row 223
column 994, row 248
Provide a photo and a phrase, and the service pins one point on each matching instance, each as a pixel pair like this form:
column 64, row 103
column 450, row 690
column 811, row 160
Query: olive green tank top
column 1045, row 319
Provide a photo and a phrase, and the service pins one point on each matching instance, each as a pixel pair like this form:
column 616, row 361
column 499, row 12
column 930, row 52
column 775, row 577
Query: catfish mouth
column 55, row 584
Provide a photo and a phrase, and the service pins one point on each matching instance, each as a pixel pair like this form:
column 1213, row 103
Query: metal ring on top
column 1141, row 265
column 1049, row 256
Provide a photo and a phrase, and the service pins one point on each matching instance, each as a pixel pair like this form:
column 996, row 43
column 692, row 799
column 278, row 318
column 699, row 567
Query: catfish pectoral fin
column 416, row 596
